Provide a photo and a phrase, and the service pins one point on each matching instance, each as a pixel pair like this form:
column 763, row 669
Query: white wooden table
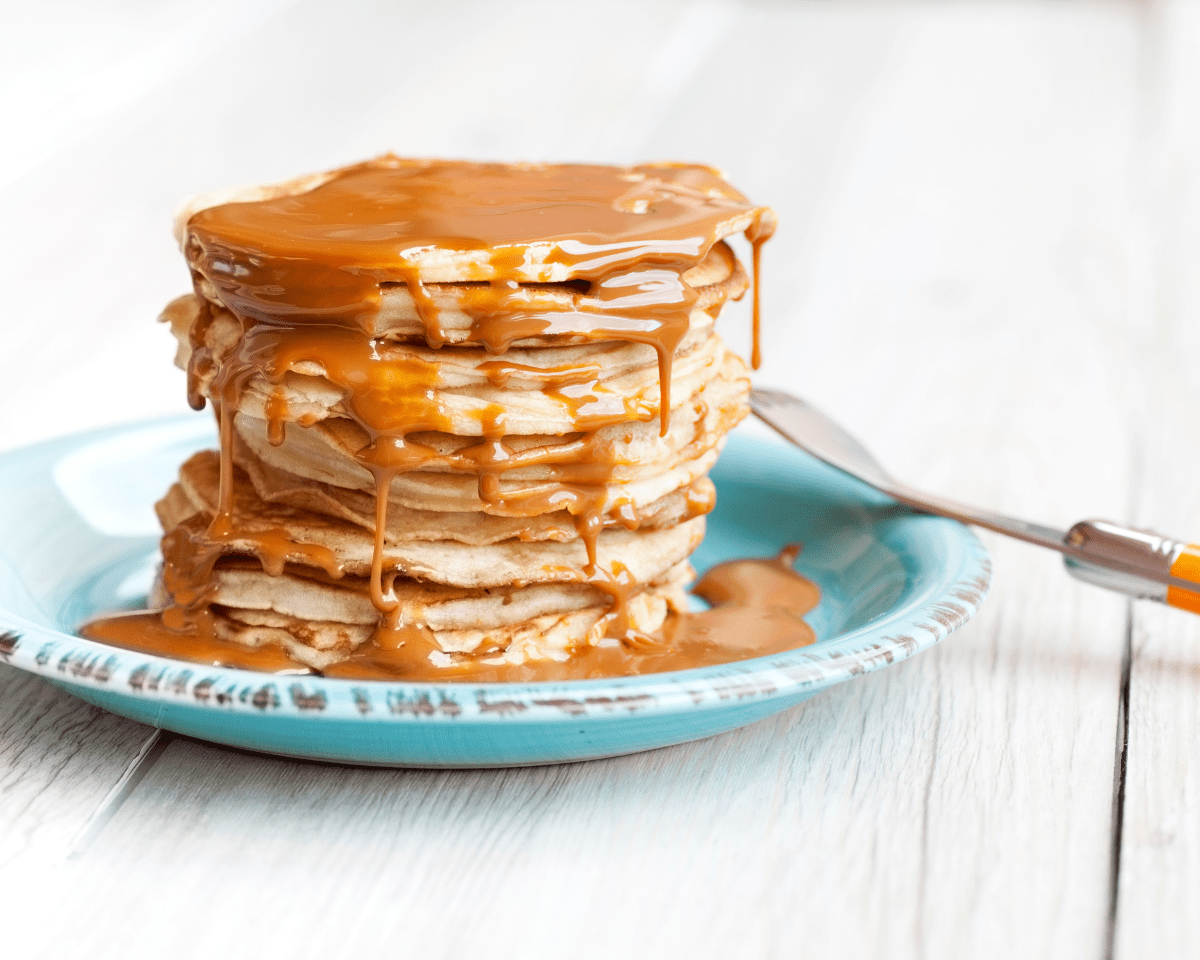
column 988, row 268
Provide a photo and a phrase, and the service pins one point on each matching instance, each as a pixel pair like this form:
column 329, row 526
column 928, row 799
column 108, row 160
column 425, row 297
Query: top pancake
column 439, row 221
column 529, row 250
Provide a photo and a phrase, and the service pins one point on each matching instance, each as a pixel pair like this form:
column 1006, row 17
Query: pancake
column 466, row 411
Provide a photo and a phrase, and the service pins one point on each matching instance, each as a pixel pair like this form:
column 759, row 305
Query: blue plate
column 79, row 536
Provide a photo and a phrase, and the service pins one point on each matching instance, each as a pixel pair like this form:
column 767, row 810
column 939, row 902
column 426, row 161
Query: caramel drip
column 277, row 417
column 619, row 584
column 383, row 482
column 755, row 349
column 427, row 310
column 200, row 361
column 222, row 522
column 761, row 229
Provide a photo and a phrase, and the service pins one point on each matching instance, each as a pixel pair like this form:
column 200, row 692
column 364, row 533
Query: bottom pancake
column 448, row 629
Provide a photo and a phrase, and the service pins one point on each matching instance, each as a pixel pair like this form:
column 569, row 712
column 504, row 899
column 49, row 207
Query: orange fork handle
column 1186, row 567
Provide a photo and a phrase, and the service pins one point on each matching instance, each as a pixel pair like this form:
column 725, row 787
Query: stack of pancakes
column 420, row 498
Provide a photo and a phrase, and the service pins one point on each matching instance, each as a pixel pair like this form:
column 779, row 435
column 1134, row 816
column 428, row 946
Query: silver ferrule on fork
column 1131, row 549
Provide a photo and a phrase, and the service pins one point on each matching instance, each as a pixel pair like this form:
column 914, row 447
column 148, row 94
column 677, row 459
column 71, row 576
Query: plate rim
column 72, row 661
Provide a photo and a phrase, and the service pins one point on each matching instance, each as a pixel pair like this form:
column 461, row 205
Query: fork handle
column 1186, row 567
column 1137, row 562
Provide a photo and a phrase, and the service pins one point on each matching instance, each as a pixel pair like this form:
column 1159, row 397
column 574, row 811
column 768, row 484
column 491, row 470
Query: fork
column 1139, row 563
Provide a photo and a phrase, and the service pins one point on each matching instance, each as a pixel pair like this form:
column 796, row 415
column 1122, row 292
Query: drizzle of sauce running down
column 303, row 273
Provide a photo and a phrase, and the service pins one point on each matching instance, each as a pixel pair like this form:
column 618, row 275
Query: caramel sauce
column 145, row 631
column 299, row 279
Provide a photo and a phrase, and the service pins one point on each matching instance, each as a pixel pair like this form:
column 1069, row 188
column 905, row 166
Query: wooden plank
column 59, row 758
column 1159, row 879
column 957, row 184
